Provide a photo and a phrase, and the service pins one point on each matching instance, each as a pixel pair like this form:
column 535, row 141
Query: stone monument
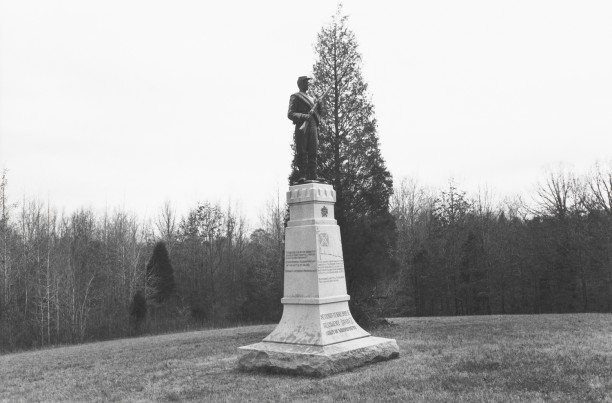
column 317, row 334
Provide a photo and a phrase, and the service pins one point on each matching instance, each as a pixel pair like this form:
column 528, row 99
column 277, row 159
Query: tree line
column 78, row 277
column 85, row 276
column 461, row 255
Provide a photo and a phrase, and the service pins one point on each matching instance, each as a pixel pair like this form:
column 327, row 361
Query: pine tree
column 138, row 307
column 160, row 275
column 350, row 158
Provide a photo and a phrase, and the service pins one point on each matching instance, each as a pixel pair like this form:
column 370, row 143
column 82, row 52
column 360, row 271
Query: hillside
column 478, row 358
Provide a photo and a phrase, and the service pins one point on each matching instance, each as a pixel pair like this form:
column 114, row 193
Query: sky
column 128, row 104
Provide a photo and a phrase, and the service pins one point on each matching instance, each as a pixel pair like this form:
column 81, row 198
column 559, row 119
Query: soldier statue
column 305, row 113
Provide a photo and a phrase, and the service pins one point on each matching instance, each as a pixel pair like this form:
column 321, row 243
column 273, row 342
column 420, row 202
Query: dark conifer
column 138, row 307
column 160, row 275
column 350, row 159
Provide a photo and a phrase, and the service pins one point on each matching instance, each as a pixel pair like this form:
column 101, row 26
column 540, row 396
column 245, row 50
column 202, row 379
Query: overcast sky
column 130, row 103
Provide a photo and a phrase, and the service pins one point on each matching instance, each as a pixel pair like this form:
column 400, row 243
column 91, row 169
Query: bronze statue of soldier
column 305, row 113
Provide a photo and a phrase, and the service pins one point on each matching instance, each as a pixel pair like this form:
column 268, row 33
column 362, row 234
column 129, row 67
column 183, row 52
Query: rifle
column 304, row 126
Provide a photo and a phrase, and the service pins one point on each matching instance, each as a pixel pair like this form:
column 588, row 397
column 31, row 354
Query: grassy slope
column 485, row 358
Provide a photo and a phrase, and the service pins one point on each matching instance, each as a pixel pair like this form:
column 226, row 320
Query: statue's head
column 302, row 83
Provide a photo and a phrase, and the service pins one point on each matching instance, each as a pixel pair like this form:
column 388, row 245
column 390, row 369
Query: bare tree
column 408, row 202
column 599, row 182
column 5, row 235
column 166, row 224
column 272, row 220
column 410, row 206
column 558, row 195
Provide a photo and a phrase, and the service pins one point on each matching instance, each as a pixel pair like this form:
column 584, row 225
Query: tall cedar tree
column 350, row 158
column 160, row 275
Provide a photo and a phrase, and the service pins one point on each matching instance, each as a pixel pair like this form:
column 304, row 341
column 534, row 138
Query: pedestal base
column 317, row 334
column 312, row 360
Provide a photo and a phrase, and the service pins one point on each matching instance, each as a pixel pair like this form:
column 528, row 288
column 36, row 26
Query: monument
column 317, row 334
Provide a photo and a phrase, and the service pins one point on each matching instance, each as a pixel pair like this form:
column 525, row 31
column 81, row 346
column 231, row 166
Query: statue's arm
column 293, row 114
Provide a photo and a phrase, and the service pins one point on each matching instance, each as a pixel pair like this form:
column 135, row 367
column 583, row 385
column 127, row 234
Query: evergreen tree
column 350, row 158
column 160, row 275
column 138, row 308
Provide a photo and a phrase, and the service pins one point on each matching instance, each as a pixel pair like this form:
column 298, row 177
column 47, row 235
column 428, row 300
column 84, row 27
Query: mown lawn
column 471, row 359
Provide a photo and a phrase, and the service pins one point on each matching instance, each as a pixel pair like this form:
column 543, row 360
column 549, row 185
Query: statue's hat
column 303, row 78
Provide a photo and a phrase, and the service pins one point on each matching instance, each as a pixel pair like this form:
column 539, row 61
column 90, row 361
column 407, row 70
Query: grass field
column 470, row 359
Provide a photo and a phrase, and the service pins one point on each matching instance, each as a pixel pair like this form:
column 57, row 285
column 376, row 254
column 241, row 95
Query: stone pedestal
column 317, row 334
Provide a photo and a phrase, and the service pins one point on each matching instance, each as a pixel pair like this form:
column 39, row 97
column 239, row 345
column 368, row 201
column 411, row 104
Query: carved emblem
column 323, row 239
column 324, row 212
